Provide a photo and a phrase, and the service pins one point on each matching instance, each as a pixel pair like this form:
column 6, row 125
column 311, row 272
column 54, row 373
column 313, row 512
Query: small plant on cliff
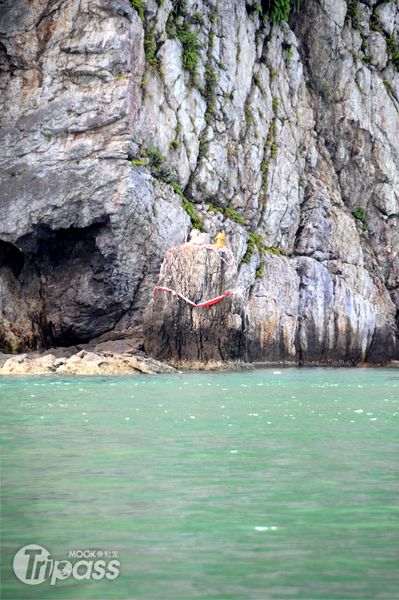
column 150, row 51
column 253, row 10
column 155, row 157
column 273, row 151
column 188, row 38
column 353, row 12
column 273, row 250
column 234, row 216
column 275, row 104
column 270, row 149
column 360, row 215
column 214, row 209
column 260, row 270
column 191, row 50
column 392, row 44
column 280, row 10
column 375, row 24
column 210, row 92
column 254, row 241
column 138, row 162
column 174, row 145
column 227, row 212
column 155, row 162
column 198, row 18
column 393, row 49
column 249, row 118
column 188, row 206
column 138, row 5
column 289, row 52
column 277, row 11
column 250, row 250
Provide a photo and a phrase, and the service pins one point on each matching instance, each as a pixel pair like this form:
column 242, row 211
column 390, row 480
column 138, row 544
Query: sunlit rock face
column 174, row 328
column 285, row 137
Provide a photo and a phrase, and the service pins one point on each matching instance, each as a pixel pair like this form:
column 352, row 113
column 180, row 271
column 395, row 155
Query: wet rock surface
column 82, row 363
column 286, row 137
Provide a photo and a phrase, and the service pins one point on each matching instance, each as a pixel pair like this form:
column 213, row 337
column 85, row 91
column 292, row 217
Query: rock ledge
column 84, row 363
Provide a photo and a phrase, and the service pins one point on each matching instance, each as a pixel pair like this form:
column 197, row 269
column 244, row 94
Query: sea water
column 269, row 484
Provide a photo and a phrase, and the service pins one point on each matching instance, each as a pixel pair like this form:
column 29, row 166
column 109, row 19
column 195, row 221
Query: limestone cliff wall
column 123, row 127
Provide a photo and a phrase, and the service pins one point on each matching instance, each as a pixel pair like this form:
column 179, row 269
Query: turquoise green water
column 256, row 485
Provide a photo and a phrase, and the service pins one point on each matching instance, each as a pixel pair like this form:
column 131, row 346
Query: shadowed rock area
column 115, row 143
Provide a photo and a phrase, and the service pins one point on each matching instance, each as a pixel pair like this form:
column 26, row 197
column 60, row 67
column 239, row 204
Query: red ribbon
column 204, row 304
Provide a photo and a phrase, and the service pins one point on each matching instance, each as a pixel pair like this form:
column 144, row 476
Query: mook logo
column 33, row 565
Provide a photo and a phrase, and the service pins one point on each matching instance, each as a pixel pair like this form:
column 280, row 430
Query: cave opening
column 12, row 258
column 21, row 305
column 57, row 288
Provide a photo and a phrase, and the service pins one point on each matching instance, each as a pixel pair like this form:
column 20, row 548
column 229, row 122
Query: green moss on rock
column 138, row 5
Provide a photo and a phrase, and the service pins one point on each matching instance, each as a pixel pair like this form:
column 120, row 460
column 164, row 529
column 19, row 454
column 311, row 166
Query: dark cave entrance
column 12, row 257
column 21, row 305
column 56, row 246
column 60, row 285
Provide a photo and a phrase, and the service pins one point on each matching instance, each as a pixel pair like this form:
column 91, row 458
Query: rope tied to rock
column 203, row 304
column 218, row 250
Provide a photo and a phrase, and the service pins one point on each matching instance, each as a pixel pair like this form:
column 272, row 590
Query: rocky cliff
column 125, row 124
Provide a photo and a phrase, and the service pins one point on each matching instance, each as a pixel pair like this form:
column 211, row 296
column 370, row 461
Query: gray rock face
column 174, row 328
column 273, row 313
column 286, row 137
